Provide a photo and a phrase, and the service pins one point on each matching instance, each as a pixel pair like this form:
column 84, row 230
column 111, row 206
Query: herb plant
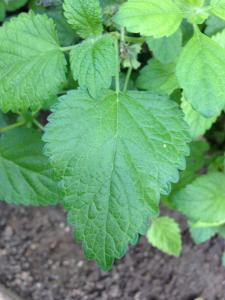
column 130, row 87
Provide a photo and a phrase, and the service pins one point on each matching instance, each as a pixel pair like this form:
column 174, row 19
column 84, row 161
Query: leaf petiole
column 117, row 76
column 38, row 124
column 12, row 126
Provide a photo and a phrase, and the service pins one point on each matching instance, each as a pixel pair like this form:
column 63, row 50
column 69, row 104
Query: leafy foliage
column 100, row 160
column 157, row 77
column 164, row 234
column 144, row 77
column 148, row 17
column 200, row 70
column 29, row 44
column 166, row 49
column 203, row 200
column 93, row 64
column 84, row 16
column 25, row 173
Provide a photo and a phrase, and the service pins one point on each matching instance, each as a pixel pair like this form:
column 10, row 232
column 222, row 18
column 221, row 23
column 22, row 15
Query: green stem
column 117, row 77
column 133, row 39
column 12, row 126
column 128, row 39
column 129, row 71
column 38, row 125
column 65, row 49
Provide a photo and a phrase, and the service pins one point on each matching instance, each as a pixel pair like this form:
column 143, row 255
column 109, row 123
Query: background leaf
column 147, row 17
column 29, row 55
column 84, row 16
column 25, row 174
column 200, row 72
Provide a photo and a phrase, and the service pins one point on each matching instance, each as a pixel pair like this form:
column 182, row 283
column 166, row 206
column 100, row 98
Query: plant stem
column 129, row 71
column 12, row 126
column 65, row 49
column 117, row 77
column 133, row 39
column 128, row 39
column 38, row 125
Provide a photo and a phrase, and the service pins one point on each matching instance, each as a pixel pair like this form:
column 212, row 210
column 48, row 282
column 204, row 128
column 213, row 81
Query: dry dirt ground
column 40, row 261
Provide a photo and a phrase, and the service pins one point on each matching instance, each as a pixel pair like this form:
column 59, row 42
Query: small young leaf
column 203, row 200
column 200, row 72
column 84, row 16
column 115, row 160
column 25, row 173
column 93, row 64
column 166, row 49
column 197, row 123
column 29, row 55
column 158, row 78
column 150, row 17
column 164, row 234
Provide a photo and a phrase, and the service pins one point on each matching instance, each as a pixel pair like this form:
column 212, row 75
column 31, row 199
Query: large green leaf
column 84, row 16
column 150, row 17
column 166, row 49
column 164, row 234
column 203, row 200
column 25, row 173
column 93, row 64
column 156, row 77
column 200, row 71
column 115, row 155
column 29, row 56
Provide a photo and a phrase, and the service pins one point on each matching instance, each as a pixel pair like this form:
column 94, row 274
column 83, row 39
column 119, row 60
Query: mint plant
column 131, row 87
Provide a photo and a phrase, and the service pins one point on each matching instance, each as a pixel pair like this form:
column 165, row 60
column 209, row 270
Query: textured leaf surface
column 201, row 72
column 164, row 234
column 166, row 49
column 198, row 124
column 201, row 235
column 93, row 64
column 29, row 55
column 203, row 200
column 150, row 17
column 84, row 16
column 218, row 8
column 25, row 173
column 193, row 10
column 116, row 156
column 156, row 77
